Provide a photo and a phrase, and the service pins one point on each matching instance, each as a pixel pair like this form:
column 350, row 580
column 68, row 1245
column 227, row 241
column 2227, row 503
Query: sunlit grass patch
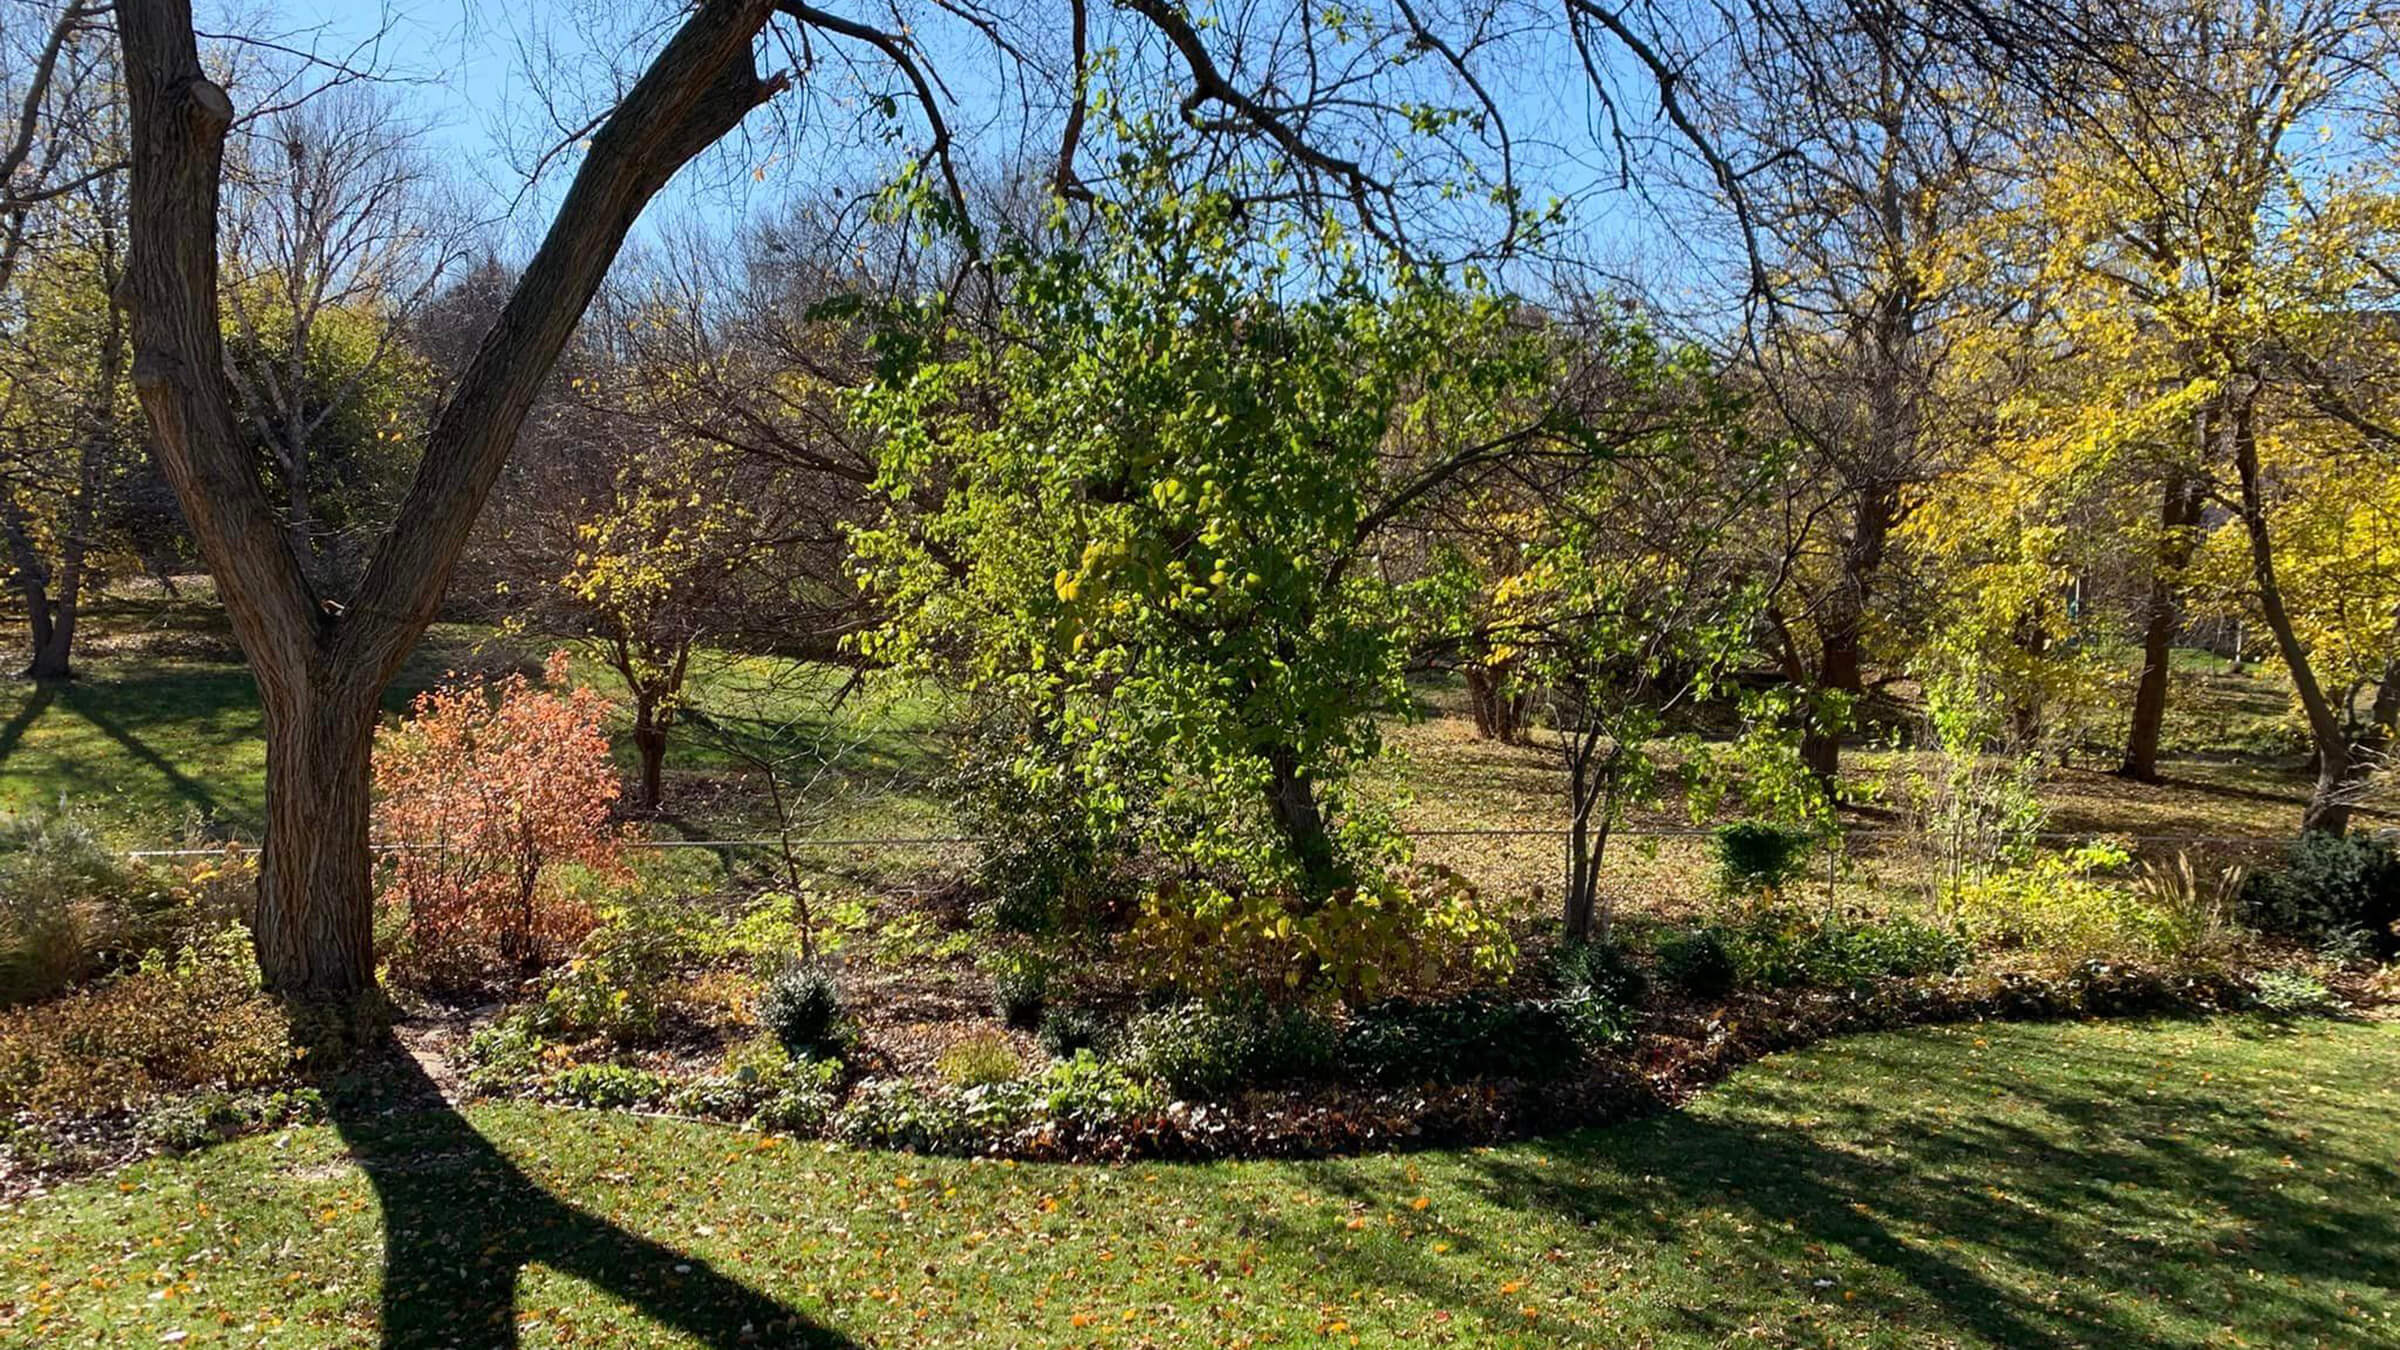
column 2087, row 1184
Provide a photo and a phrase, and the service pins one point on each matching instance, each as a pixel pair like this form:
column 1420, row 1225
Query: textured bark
column 312, row 930
column 322, row 666
column 2179, row 511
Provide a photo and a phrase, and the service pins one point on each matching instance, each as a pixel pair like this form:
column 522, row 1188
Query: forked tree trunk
column 54, row 652
column 322, row 666
column 49, row 615
column 2179, row 511
column 1591, row 805
column 31, row 577
column 315, row 937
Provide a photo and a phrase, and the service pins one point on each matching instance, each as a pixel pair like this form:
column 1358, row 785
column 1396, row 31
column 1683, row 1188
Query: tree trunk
column 1841, row 658
column 315, row 922
column 322, row 666
column 2179, row 511
column 1301, row 821
column 54, row 657
column 31, row 577
column 1590, row 789
column 1498, row 706
column 650, row 741
column 2329, row 804
column 1480, row 696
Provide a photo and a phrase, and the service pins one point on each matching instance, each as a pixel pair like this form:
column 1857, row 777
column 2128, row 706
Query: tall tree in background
column 337, row 235
column 1866, row 142
column 2216, row 242
column 67, row 417
column 65, row 429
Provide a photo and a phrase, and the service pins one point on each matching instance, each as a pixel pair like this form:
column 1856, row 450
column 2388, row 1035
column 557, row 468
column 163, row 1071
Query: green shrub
column 2290, row 993
column 765, row 1088
column 1698, row 962
column 210, row 1117
column 1756, row 855
column 73, row 906
column 1206, row 1050
column 1594, row 1020
column 1790, row 950
column 897, row 1113
column 2328, row 886
column 2072, row 907
column 1477, row 1036
column 1404, row 931
column 1894, row 946
column 1020, row 983
column 1085, row 1093
column 1606, row 971
column 1067, row 1031
column 508, row 1055
column 980, row 1060
column 607, row 1087
column 803, row 1011
column 1095, row 1094
column 613, row 985
column 1042, row 865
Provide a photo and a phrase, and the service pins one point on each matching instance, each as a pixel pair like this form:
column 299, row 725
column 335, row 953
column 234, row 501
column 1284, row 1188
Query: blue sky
column 477, row 74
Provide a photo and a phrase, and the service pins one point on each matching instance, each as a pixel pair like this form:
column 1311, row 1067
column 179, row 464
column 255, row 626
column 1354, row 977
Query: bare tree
column 1845, row 145
column 334, row 215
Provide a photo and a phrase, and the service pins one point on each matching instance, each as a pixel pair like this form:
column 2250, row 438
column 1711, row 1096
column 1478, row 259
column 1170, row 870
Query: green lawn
column 2226, row 1183
column 164, row 726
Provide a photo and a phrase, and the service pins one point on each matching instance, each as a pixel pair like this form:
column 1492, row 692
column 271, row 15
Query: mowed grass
column 2223, row 1183
column 163, row 727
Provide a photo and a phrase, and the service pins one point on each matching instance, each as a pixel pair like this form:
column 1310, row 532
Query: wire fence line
column 1528, row 832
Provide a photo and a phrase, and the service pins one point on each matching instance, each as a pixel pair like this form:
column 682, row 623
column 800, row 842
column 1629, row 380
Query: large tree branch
column 178, row 124
column 699, row 87
column 696, row 91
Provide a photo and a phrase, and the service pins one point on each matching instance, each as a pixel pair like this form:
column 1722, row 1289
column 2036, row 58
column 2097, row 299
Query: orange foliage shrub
column 487, row 787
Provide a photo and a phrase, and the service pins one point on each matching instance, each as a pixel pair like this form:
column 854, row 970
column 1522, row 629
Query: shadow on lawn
column 2105, row 1207
column 2101, row 1201
column 461, row 1223
column 37, row 702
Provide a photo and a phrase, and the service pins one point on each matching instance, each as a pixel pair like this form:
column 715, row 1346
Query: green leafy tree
column 1628, row 597
column 1154, row 507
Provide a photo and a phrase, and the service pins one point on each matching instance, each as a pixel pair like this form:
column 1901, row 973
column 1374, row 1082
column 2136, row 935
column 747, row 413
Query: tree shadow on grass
column 2101, row 1201
column 461, row 1222
column 2104, row 1206
column 37, row 701
column 185, row 787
